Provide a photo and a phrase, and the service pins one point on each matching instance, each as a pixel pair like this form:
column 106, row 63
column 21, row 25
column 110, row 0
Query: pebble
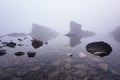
column 103, row 66
column 82, row 55
column 56, row 62
column 35, row 68
column 81, row 67
column 53, row 75
column 67, row 66
column 80, row 73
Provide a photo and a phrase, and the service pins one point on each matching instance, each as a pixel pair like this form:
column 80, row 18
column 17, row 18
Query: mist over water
column 100, row 16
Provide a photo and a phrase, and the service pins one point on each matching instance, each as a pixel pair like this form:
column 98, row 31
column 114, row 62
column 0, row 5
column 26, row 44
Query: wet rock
column 1, row 47
column 103, row 66
column 36, row 43
column 20, row 40
column 94, row 59
column 67, row 66
column 68, row 60
column 2, row 52
column 99, row 48
column 81, row 67
column 69, row 54
column 19, row 53
column 46, row 42
column 82, row 55
column 20, row 45
column 31, row 54
column 21, row 73
column 56, row 62
column 16, row 78
column 117, row 73
column 11, row 44
column 92, row 73
column 35, row 68
column 81, row 74
column 68, row 76
column 5, row 43
column 53, row 75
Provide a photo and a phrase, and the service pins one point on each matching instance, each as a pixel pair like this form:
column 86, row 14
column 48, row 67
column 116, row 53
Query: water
column 53, row 62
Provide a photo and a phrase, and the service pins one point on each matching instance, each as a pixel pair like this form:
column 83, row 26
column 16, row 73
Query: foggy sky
column 94, row 15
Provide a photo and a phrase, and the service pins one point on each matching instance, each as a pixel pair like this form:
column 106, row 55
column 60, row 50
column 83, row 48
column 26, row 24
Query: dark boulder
column 20, row 45
column 99, row 48
column 2, row 52
column 19, row 53
column 36, row 43
column 31, row 54
column 20, row 40
column 11, row 44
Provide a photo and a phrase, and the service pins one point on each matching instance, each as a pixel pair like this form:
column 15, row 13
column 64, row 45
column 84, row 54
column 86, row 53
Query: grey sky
column 94, row 15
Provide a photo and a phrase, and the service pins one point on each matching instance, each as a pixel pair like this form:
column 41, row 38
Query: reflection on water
column 76, row 34
column 55, row 61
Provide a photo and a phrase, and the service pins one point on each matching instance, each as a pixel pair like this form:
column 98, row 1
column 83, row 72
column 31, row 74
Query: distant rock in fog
column 43, row 33
column 76, row 34
column 17, row 34
column 116, row 34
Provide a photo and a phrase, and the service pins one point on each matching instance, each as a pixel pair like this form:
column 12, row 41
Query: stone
column 115, row 72
column 36, row 43
column 19, row 53
column 69, row 54
column 16, row 78
column 2, row 52
column 35, row 68
column 81, row 74
column 56, row 62
column 20, row 40
column 103, row 66
column 11, row 44
column 81, row 67
column 99, row 48
column 92, row 73
column 82, row 55
column 68, row 60
column 67, row 66
column 53, row 75
column 20, row 45
column 21, row 73
column 31, row 54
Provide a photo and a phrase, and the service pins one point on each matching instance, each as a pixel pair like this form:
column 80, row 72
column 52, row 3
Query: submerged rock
column 36, row 43
column 99, row 48
column 82, row 55
column 2, row 52
column 11, row 44
column 31, row 54
column 19, row 53
column 103, row 67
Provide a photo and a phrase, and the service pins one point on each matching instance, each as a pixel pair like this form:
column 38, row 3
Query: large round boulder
column 99, row 48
